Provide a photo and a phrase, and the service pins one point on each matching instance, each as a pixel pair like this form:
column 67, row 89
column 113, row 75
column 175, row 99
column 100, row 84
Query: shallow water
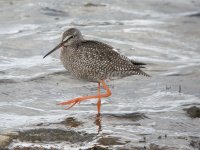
column 164, row 35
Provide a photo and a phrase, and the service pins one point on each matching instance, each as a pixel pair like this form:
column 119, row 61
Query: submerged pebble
column 94, row 5
column 54, row 135
column 193, row 112
column 71, row 122
column 129, row 116
column 195, row 144
column 4, row 141
column 110, row 141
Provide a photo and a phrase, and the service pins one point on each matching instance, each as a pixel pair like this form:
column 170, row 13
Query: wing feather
column 105, row 58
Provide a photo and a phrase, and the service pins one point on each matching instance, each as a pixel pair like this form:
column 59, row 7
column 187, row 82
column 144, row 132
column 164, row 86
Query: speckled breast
column 82, row 68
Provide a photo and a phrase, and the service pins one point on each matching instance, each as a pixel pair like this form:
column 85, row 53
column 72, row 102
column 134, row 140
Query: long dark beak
column 57, row 47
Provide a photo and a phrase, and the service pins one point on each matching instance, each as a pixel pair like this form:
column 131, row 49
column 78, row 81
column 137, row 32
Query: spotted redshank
column 93, row 61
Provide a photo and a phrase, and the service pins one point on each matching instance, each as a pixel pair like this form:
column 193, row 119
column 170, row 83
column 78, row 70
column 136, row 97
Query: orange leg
column 99, row 96
column 99, row 99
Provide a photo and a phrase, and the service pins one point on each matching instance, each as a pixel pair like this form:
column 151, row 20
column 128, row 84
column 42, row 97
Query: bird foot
column 79, row 99
column 73, row 102
column 76, row 100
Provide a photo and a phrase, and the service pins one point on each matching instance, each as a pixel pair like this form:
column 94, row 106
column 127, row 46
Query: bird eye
column 74, row 35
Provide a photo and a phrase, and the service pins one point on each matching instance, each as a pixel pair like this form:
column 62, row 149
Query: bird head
column 69, row 36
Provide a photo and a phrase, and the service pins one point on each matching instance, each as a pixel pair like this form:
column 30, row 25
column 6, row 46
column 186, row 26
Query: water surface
column 164, row 35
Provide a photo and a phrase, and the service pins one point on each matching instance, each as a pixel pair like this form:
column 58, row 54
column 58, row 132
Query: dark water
column 163, row 34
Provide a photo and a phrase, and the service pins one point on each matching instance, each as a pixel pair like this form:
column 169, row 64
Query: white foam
column 16, row 28
column 23, row 63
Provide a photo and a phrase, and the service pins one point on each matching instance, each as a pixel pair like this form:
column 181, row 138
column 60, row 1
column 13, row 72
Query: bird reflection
column 98, row 122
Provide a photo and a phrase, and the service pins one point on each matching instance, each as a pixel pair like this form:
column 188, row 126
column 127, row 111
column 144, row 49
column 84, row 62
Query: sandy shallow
column 161, row 112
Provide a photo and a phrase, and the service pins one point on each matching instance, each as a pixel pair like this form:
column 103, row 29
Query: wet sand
column 157, row 113
column 122, row 128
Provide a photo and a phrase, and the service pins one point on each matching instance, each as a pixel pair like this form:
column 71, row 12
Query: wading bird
column 93, row 61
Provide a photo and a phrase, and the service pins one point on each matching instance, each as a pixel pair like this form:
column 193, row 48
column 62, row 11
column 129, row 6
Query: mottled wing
column 105, row 59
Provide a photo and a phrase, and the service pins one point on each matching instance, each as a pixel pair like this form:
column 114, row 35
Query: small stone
column 72, row 122
column 154, row 146
column 195, row 144
column 11, row 133
column 4, row 141
column 106, row 141
column 94, row 5
column 193, row 112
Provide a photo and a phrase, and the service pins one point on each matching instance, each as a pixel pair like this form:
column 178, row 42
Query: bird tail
column 140, row 72
column 139, row 64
